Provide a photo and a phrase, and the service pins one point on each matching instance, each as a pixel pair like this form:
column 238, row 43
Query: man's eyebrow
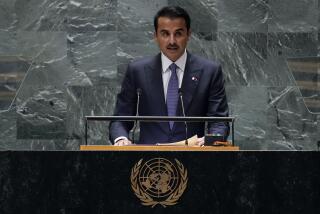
column 165, row 30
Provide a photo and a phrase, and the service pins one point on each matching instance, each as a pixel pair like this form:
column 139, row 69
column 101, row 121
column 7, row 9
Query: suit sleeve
column 125, row 106
column 217, row 104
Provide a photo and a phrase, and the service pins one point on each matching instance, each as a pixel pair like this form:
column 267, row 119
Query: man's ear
column 189, row 32
column 155, row 36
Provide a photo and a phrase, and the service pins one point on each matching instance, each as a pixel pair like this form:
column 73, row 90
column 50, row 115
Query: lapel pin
column 194, row 79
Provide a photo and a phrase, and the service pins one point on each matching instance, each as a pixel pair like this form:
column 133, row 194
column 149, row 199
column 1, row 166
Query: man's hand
column 200, row 141
column 123, row 142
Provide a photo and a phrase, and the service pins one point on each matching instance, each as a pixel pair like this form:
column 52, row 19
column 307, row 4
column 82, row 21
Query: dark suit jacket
column 203, row 95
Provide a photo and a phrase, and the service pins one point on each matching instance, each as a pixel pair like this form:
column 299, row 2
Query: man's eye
column 178, row 34
column 165, row 34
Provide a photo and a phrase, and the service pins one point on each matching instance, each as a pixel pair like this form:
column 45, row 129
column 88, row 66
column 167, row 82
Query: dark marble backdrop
column 63, row 59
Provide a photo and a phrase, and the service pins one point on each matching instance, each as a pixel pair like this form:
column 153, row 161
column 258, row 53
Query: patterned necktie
column 172, row 93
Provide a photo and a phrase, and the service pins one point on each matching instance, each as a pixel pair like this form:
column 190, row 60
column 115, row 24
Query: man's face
column 172, row 37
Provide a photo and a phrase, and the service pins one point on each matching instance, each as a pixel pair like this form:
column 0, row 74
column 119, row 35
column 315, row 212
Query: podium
column 210, row 182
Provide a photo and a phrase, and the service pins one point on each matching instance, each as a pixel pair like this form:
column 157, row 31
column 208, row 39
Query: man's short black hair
column 172, row 12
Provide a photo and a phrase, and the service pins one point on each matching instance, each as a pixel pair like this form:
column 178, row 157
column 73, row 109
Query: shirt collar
column 181, row 62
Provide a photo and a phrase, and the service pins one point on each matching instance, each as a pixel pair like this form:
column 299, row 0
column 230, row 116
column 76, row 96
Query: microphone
column 137, row 113
column 184, row 115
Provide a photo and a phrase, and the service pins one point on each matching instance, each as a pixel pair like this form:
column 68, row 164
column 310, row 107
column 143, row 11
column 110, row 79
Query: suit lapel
column 153, row 73
column 191, row 79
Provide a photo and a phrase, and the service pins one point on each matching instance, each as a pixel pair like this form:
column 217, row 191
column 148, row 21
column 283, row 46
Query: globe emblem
column 159, row 178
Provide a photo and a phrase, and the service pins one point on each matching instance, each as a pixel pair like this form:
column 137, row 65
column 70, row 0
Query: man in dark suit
column 159, row 78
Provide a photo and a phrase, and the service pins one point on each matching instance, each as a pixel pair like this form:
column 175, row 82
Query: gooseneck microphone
column 137, row 113
column 184, row 115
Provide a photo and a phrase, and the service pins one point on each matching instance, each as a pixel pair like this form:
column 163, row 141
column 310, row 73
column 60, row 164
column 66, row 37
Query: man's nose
column 172, row 39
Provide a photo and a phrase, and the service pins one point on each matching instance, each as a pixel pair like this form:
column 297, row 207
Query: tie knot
column 173, row 67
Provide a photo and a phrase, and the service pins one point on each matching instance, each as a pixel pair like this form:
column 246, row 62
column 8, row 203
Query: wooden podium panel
column 157, row 148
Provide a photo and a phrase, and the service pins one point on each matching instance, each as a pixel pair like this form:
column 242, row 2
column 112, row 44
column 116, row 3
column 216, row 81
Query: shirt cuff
column 120, row 138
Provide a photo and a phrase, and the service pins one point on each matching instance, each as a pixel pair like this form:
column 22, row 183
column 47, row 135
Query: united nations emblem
column 158, row 181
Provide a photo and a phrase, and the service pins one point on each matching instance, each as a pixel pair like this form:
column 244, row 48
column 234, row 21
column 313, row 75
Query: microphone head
column 180, row 91
column 139, row 90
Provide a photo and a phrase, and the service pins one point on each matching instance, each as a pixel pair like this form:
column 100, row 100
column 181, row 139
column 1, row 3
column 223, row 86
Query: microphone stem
column 185, row 123
column 137, row 113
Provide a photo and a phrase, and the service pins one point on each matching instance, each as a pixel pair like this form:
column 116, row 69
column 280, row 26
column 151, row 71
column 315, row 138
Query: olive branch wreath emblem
column 146, row 199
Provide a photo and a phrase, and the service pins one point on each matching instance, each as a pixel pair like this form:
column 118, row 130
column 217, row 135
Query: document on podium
column 192, row 141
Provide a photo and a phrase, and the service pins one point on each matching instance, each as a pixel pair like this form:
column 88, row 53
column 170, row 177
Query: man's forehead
column 174, row 20
column 171, row 23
